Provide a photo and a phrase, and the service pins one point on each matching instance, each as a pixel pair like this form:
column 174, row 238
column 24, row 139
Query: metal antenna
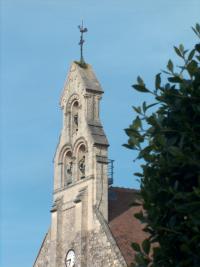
column 82, row 30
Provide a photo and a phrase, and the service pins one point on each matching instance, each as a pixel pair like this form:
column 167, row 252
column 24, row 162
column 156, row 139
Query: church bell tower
column 80, row 163
column 79, row 235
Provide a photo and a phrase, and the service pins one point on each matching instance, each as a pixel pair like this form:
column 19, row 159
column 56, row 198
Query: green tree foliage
column 168, row 141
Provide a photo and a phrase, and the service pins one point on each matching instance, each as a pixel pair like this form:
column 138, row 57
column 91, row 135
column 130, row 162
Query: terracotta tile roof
column 123, row 225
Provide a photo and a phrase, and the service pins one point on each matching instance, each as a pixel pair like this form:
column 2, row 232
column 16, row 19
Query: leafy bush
column 168, row 141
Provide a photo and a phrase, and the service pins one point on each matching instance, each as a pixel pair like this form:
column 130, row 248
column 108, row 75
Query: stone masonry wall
column 96, row 248
column 43, row 258
column 101, row 252
column 102, row 247
column 99, row 249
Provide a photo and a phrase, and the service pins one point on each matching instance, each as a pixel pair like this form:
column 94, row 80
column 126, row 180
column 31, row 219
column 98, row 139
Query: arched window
column 75, row 116
column 81, row 162
column 72, row 115
column 67, row 168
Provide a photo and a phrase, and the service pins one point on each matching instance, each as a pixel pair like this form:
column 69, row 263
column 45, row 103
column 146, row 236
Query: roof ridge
column 125, row 188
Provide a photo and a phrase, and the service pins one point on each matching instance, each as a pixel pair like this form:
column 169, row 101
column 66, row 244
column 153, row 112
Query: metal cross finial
column 82, row 30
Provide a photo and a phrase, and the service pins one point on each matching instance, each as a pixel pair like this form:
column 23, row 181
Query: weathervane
column 82, row 31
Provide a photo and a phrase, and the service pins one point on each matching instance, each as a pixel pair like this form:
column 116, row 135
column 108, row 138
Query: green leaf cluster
column 168, row 141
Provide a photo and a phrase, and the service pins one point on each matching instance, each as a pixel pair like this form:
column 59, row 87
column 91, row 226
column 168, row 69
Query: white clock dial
column 70, row 258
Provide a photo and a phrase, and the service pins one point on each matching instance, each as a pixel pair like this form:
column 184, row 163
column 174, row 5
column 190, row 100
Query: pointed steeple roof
column 89, row 79
column 85, row 77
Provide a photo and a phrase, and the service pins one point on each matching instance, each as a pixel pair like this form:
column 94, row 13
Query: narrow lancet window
column 68, row 168
column 81, row 162
column 75, row 116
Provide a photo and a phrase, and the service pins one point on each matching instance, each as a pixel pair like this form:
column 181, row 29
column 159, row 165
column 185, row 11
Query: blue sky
column 38, row 41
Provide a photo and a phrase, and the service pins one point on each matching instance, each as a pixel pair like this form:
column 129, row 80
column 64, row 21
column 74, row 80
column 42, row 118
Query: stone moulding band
column 90, row 177
column 102, row 159
column 94, row 91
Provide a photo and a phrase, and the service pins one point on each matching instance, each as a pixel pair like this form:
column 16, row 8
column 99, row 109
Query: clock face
column 70, row 258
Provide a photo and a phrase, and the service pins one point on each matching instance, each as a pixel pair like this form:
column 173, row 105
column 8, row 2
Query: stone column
column 59, row 244
column 67, row 124
column 96, row 107
column 84, row 229
column 102, row 185
column 54, row 227
column 58, row 176
column 81, row 201
column 89, row 106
